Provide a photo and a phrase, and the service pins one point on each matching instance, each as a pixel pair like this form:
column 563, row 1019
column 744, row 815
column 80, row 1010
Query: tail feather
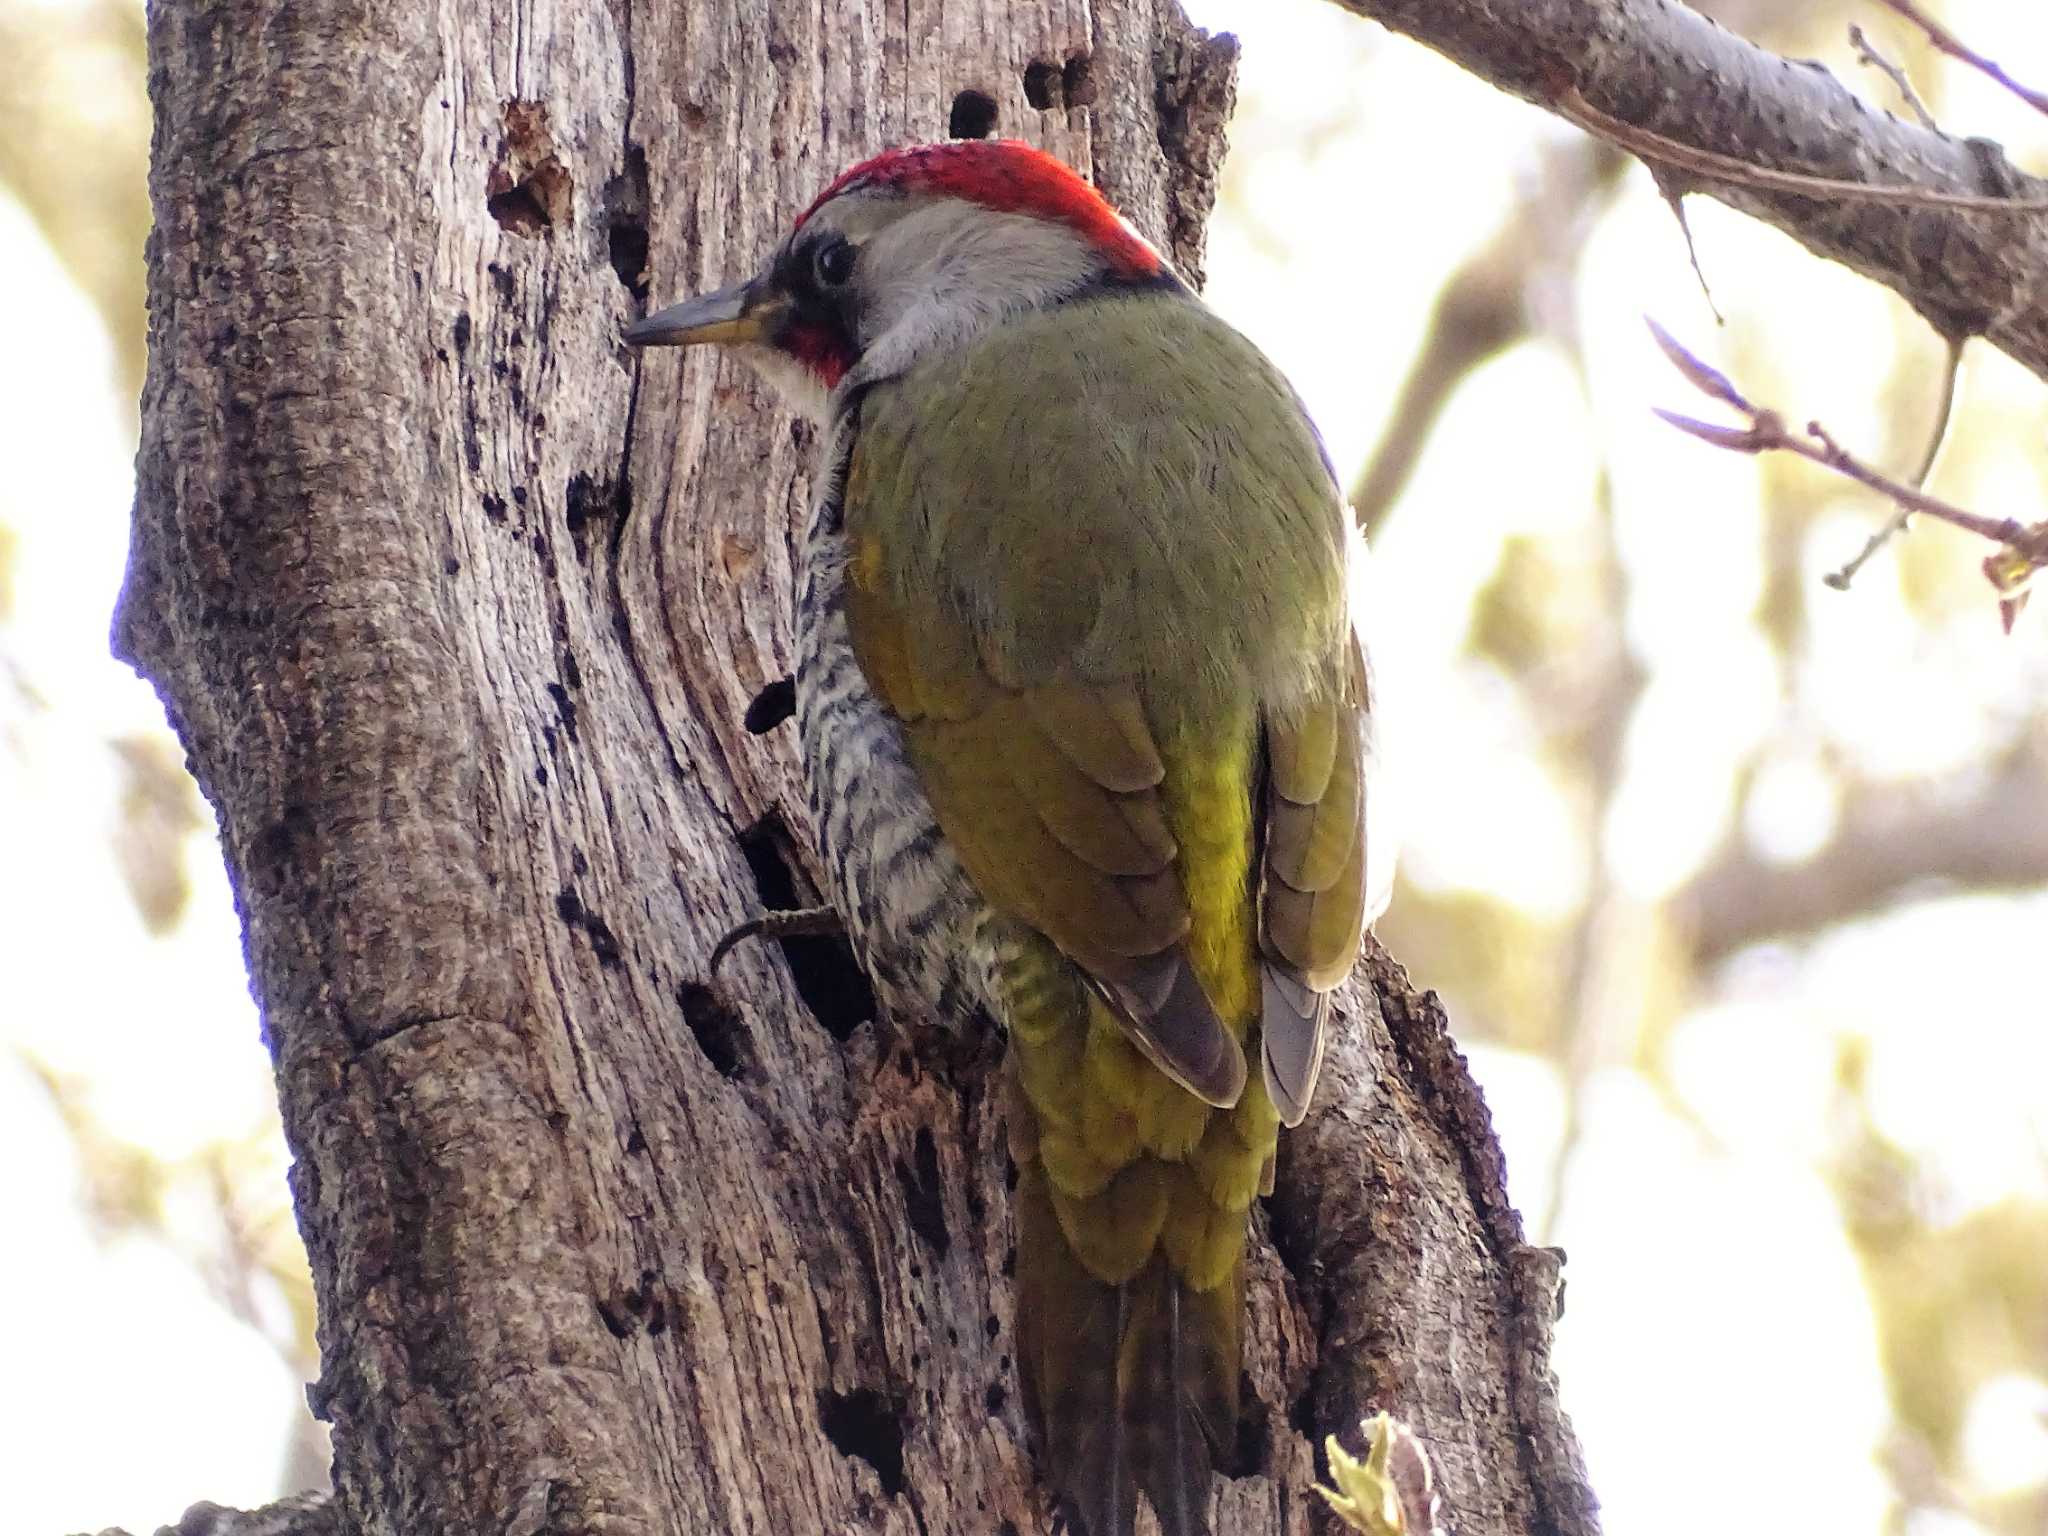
column 1131, row 1386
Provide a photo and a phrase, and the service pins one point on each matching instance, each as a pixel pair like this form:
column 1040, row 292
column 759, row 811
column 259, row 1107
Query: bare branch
column 1944, row 413
column 1661, row 67
column 2024, row 548
column 1718, row 167
column 1866, row 53
column 1672, row 188
column 1955, row 48
column 1981, row 830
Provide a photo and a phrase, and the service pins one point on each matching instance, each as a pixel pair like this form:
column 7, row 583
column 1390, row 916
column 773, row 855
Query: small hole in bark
column 528, row 190
column 585, row 497
column 1253, row 1453
column 721, row 1034
column 772, row 705
column 629, row 256
column 994, row 1398
column 614, row 1324
column 1077, row 81
column 1301, row 1417
column 565, row 707
column 868, row 1425
column 625, row 220
column 1043, row 87
column 827, row 977
column 973, row 116
column 603, row 943
column 518, row 210
column 923, row 1195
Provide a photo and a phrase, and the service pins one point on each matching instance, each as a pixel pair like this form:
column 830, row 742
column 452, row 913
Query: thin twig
column 1943, row 414
column 1672, row 189
column 1726, row 168
column 1866, row 53
column 2023, row 549
column 1955, row 48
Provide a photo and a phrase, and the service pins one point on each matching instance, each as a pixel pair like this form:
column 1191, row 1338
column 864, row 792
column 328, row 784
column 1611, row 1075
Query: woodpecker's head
column 912, row 252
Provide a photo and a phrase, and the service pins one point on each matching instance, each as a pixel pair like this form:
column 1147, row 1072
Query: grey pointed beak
column 730, row 317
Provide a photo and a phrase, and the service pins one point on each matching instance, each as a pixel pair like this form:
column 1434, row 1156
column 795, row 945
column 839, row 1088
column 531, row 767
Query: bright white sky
column 130, row 1394
column 1710, row 1286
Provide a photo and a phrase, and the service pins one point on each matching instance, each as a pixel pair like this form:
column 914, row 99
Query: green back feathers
column 1098, row 575
column 1124, row 485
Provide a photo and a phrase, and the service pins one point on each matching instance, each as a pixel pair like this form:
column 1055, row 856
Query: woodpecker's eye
column 833, row 263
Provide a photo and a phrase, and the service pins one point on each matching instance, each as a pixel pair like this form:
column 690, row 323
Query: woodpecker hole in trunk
column 866, row 1424
column 1252, row 1455
column 625, row 222
column 528, row 191
column 1079, row 79
column 721, row 1034
column 973, row 116
column 603, row 943
column 828, row 978
column 1042, row 86
column 1048, row 86
column 924, row 1197
column 771, row 706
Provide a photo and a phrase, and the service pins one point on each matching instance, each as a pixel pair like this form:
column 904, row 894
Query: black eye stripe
column 813, row 273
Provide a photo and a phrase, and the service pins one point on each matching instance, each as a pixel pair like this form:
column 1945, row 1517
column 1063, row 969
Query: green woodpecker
column 1084, row 724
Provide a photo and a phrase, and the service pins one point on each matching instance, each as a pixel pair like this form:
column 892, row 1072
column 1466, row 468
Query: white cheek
column 791, row 379
column 948, row 271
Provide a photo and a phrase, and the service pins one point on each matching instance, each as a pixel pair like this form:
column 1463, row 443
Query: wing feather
column 1313, row 884
column 1050, row 794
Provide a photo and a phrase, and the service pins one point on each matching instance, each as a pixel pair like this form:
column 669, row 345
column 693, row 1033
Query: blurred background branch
column 1511, row 288
column 1978, row 829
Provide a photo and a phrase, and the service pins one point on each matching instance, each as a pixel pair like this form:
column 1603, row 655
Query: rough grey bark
column 1660, row 65
column 463, row 617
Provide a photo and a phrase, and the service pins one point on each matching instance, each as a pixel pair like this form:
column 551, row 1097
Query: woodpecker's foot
column 798, row 922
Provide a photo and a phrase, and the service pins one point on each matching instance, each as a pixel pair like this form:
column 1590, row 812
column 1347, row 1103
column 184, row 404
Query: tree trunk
column 472, row 624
